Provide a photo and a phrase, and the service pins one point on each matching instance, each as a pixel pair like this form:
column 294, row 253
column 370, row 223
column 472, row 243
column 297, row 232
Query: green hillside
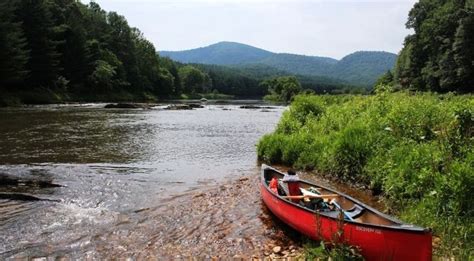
column 244, row 80
column 360, row 68
column 363, row 67
column 222, row 53
column 301, row 64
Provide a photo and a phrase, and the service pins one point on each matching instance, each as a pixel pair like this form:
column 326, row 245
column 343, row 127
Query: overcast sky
column 332, row 28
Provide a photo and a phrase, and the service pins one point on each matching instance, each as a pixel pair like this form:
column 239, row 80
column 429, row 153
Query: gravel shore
column 227, row 221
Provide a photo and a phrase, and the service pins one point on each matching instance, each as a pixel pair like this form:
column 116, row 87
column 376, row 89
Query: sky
column 332, row 28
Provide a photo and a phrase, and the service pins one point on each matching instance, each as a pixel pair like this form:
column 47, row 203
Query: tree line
column 439, row 56
column 64, row 46
column 80, row 50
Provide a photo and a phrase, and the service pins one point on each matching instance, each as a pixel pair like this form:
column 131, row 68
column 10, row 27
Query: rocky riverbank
column 225, row 221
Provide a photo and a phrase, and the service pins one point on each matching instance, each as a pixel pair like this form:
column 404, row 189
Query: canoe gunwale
column 400, row 227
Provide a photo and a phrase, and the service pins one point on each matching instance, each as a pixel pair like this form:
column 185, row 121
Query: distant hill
column 227, row 77
column 301, row 64
column 223, row 53
column 363, row 67
column 360, row 68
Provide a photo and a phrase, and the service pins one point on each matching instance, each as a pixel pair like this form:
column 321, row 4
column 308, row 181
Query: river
column 91, row 168
column 81, row 181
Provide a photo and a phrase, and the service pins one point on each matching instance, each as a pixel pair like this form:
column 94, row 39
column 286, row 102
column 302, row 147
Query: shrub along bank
column 414, row 149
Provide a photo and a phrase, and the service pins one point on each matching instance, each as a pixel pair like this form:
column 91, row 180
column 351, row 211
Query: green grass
column 339, row 252
column 414, row 149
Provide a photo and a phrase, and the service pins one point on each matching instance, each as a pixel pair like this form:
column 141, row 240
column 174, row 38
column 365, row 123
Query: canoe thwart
column 312, row 196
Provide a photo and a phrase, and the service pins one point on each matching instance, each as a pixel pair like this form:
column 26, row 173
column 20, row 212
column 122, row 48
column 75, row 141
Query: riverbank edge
column 46, row 96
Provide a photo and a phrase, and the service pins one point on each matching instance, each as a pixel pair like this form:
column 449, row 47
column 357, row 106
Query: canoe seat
column 355, row 211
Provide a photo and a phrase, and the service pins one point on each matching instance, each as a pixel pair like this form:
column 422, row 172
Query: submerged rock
column 24, row 197
column 18, row 196
column 7, row 180
column 195, row 106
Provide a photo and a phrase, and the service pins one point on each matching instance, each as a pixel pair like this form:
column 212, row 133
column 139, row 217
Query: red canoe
column 380, row 237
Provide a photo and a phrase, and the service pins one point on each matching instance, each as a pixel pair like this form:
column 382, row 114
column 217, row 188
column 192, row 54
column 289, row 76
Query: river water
column 72, row 175
column 84, row 182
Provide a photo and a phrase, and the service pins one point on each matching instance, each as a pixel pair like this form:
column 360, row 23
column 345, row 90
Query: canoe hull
column 375, row 242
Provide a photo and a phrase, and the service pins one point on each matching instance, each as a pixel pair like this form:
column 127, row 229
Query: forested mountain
column 363, row 67
column 223, row 53
column 439, row 56
column 360, row 68
column 301, row 64
column 245, row 79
